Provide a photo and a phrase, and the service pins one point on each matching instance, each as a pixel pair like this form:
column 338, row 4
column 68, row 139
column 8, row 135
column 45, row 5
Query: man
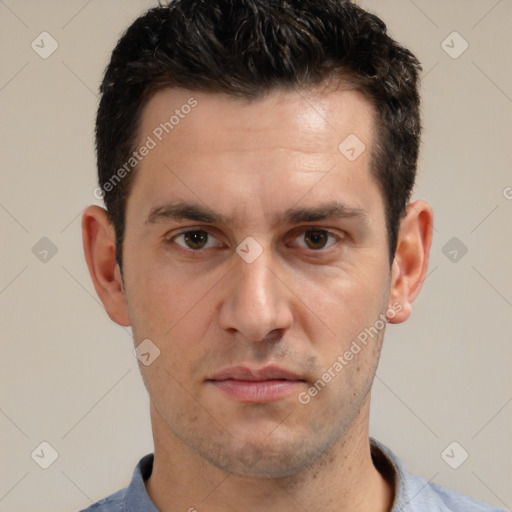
column 256, row 160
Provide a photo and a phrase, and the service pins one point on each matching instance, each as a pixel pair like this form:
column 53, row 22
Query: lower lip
column 257, row 391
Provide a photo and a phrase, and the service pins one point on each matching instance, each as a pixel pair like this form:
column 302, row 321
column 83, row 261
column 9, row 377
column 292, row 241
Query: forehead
column 311, row 121
column 244, row 157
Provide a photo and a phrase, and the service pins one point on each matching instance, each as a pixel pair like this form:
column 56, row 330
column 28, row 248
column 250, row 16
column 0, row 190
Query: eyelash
column 335, row 237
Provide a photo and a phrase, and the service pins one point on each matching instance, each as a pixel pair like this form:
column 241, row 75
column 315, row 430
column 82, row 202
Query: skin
column 299, row 305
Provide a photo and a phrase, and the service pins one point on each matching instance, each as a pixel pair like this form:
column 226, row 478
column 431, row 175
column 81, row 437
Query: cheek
column 161, row 298
column 344, row 300
column 177, row 314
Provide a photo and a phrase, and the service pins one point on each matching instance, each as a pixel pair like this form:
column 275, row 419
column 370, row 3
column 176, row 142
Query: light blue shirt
column 412, row 493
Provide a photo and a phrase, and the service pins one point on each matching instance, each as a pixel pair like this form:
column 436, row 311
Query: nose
column 256, row 302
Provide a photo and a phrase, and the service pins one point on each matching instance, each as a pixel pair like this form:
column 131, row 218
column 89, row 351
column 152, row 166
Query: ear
column 409, row 267
column 99, row 242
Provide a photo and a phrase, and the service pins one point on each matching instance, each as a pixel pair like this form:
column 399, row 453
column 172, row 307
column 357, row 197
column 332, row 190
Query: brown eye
column 316, row 239
column 195, row 240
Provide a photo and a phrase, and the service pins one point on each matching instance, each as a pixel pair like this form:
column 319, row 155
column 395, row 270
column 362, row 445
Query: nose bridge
column 255, row 303
column 256, row 281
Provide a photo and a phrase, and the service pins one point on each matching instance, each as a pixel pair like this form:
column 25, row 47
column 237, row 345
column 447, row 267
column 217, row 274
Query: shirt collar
column 412, row 493
column 407, row 487
column 137, row 498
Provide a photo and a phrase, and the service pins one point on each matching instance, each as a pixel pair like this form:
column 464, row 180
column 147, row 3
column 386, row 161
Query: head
column 248, row 231
column 246, row 53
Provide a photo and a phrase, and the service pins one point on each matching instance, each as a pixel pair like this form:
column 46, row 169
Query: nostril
column 274, row 336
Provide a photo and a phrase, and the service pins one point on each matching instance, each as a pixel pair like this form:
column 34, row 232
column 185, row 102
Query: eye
column 195, row 240
column 316, row 239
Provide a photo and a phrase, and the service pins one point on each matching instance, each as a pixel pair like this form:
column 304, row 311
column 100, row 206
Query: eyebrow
column 201, row 213
column 323, row 212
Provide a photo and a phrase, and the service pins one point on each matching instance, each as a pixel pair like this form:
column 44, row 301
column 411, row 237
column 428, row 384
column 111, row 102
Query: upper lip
column 256, row 374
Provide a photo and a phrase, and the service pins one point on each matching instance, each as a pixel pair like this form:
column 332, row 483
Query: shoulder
column 453, row 501
column 112, row 503
column 415, row 494
column 132, row 499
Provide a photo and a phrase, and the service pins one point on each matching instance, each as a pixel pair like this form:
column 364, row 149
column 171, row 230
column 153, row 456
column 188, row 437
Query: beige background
column 68, row 376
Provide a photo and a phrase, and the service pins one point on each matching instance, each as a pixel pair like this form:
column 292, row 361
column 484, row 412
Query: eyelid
column 170, row 237
column 295, row 233
column 188, row 229
column 339, row 237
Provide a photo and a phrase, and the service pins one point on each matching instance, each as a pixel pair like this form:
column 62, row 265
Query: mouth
column 256, row 385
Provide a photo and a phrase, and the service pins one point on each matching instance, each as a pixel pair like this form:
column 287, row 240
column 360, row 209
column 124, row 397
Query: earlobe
column 100, row 254
column 410, row 265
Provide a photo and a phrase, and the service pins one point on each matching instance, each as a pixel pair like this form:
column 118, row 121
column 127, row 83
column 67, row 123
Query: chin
column 264, row 459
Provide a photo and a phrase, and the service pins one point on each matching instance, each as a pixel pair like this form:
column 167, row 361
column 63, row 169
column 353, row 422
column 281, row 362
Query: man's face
column 229, row 327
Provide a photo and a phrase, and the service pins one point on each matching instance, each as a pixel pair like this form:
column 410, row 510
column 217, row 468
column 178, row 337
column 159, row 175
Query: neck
column 342, row 479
